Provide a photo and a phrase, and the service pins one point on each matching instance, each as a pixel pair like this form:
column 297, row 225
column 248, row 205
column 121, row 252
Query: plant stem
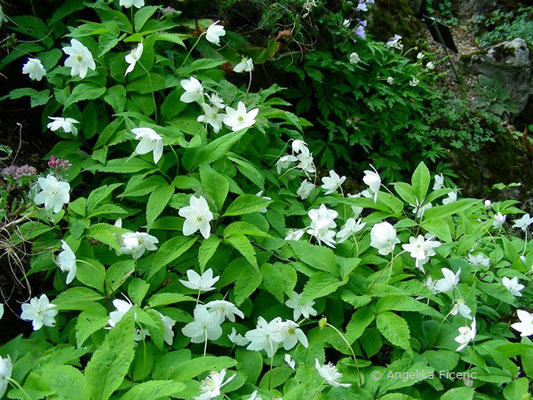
column 351, row 350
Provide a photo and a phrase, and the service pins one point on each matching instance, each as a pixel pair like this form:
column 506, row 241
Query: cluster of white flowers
column 269, row 336
column 421, row 248
column 301, row 155
column 236, row 119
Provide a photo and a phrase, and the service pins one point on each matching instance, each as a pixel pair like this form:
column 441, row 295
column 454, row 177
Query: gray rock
column 508, row 63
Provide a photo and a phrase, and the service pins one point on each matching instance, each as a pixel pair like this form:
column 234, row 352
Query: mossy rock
column 390, row 17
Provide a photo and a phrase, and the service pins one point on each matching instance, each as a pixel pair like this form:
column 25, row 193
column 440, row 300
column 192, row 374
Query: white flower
column 305, row 189
column 202, row 283
column 333, row 182
column 499, row 220
column 264, row 336
column 373, row 181
column 254, row 396
column 290, row 362
column 237, row 338
column 351, row 227
column 525, row 326
column 214, row 32
column 330, row 374
column 136, row 243
column 356, row 209
column 260, row 194
column 133, row 57
column 414, row 82
column 197, row 217
column 34, row 68
column 6, row 367
column 224, row 309
column 40, row 311
column 478, row 260
column 289, row 334
column 524, row 222
column 65, row 124
column 421, row 249
column 430, row 284
column 284, row 162
column 395, row 42
column 487, row 204
column 306, row 163
column 129, row 3
column 210, row 387
column 439, row 182
column 122, row 307
column 66, row 261
column 346, row 23
column 430, row 66
column 246, row 65
column 390, row 80
column 212, row 117
column 216, row 100
column 168, row 324
column 449, row 281
column 206, row 326
column 322, row 220
column 149, row 141
column 305, row 309
column 420, row 210
column 452, row 196
column 53, row 193
column 80, row 59
column 420, row 56
column 139, row 335
column 461, row 308
column 239, row 118
column 1, row 310
column 194, row 90
column 466, row 334
column 513, row 286
column 294, row 234
column 354, row 58
column 299, row 146
column 383, row 237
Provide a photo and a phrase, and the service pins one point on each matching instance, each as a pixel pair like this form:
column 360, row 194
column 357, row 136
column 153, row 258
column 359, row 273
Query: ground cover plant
column 190, row 250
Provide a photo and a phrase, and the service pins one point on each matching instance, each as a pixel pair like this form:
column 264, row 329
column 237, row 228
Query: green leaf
column 105, row 233
column 463, row 393
column 405, row 191
column 109, row 364
column 168, row 252
column 157, row 202
column 243, row 246
column 99, row 195
column 359, row 322
column 116, row 98
column 250, row 364
column 142, row 16
column 77, row 298
column 137, row 289
column 244, row 228
column 247, row 282
column 439, row 228
column 319, row 285
column 279, row 279
column 317, row 257
column 123, row 166
column 214, row 184
column 192, row 368
column 405, row 303
column 246, row 204
column 212, row 151
column 68, row 7
column 117, row 274
column 90, row 321
column 68, row 382
column 153, row 390
column 84, row 91
column 164, row 299
column 395, row 329
column 439, row 212
column 91, row 273
column 147, row 84
column 420, row 181
column 207, row 249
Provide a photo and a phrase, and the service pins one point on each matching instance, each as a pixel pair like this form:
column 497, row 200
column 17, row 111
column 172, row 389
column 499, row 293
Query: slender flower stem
column 17, row 385
column 383, row 270
column 205, row 343
column 190, row 51
column 317, row 391
column 271, row 363
column 351, row 350
column 151, row 89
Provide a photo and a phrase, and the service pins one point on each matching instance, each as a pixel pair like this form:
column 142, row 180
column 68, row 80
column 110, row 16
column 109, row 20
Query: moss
column 390, row 17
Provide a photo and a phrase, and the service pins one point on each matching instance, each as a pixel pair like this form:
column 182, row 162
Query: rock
column 390, row 17
column 510, row 64
column 416, row 6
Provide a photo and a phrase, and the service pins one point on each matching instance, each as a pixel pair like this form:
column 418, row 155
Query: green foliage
column 500, row 26
column 217, row 201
